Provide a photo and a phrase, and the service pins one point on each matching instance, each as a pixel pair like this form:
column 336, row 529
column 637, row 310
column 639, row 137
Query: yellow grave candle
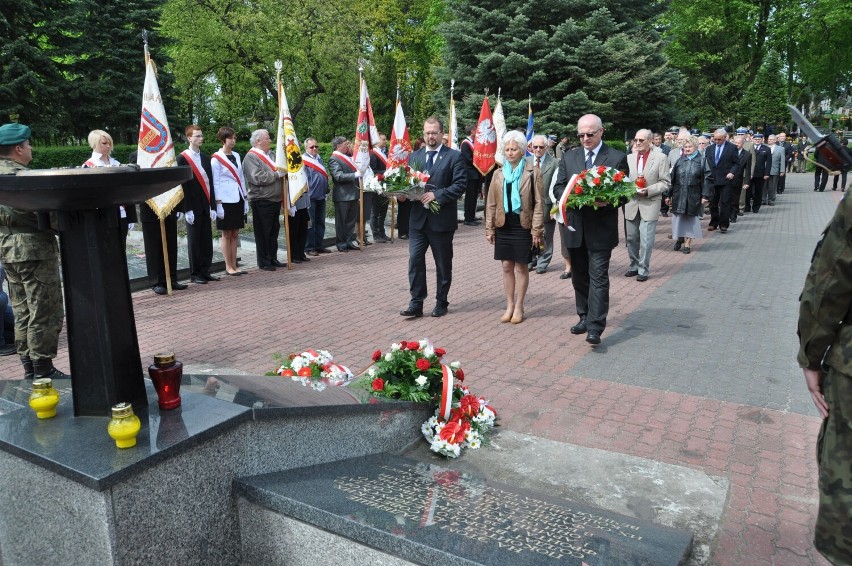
column 44, row 398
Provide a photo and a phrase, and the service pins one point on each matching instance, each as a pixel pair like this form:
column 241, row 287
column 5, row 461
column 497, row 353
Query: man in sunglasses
column 595, row 232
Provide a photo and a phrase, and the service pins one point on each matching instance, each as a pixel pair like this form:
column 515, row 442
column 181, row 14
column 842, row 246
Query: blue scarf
column 512, row 177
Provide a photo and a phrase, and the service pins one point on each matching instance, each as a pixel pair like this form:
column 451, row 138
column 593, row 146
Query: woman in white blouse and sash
column 230, row 196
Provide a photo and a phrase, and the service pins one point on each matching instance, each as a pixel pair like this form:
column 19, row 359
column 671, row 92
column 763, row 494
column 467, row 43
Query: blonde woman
column 514, row 221
column 101, row 144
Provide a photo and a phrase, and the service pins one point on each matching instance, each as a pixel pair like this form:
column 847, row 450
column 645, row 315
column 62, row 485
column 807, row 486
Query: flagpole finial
column 361, row 64
column 452, row 84
column 486, row 91
column 499, row 90
column 278, row 65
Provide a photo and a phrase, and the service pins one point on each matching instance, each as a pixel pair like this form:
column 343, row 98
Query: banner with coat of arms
column 288, row 155
column 400, row 141
column 484, row 141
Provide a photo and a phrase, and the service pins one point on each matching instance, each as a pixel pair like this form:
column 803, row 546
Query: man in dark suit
column 739, row 181
column 761, row 164
column 724, row 166
column 447, row 182
column 379, row 208
column 595, row 232
column 474, row 178
column 346, row 175
column 548, row 165
column 199, row 206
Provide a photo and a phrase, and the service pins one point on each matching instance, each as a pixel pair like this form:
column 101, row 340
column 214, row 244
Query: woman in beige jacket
column 514, row 221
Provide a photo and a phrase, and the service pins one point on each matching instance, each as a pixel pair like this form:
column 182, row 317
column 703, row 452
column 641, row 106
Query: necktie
column 590, row 159
column 718, row 153
column 538, row 161
column 430, row 160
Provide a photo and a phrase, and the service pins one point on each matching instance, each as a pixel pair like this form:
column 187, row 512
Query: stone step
column 385, row 509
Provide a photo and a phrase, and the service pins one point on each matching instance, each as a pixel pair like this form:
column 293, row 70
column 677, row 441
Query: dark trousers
column 199, row 240
column 736, row 191
column 842, row 178
column 471, row 196
column 720, row 206
column 403, row 212
column 590, row 278
column 345, row 217
column 369, row 197
column 298, row 233
column 754, row 193
column 820, row 179
column 153, row 240
column 265, row 218
column 316, row 231
column 442, row 252
column 378, row 214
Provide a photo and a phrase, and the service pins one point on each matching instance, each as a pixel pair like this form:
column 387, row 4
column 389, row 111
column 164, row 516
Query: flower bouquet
column 414, row 371
column 595, row 187
column 401, row 181
column 313, row 367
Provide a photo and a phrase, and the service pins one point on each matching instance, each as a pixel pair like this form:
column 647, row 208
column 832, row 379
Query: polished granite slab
column 434, row 515
column 80, row 449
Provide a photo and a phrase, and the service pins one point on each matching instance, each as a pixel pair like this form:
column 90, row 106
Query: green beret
column 14, row 134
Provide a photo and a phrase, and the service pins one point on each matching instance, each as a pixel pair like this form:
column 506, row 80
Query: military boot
column 29, row 373
column 44, row 368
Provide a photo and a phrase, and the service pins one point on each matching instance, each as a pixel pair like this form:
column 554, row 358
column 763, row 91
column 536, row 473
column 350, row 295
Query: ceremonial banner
column 156, row 148
column 288, row 156
column 400, row 141
column 366, row 134
column 530, row 128
column 484, row 141
column 454, row 126
column 500, row 130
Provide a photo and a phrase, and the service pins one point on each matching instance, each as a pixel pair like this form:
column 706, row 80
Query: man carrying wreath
column 595, row 232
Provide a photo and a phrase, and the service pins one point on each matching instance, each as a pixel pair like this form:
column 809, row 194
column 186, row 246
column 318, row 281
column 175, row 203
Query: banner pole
column 166, row 256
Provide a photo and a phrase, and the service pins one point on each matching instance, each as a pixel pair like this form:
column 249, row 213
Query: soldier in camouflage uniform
column 825, row 354
column 31, row 257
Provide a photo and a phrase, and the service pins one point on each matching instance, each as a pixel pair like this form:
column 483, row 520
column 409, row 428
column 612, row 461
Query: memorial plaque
column 435, row 515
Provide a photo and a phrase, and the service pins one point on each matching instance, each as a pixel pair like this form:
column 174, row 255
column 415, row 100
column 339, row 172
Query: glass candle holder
column 44, row 398
column 166, row 374
column 124, row 425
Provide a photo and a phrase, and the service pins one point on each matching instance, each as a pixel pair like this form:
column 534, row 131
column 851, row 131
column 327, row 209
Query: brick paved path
column 697, row 366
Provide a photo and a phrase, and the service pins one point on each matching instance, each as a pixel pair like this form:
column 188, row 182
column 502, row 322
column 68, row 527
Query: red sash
column 200, row 175
column 315, row 165
column 468, row 142
column 230, row 167
column 263, row 157
column 381, row 156
column 89, row 163
column 346, row 159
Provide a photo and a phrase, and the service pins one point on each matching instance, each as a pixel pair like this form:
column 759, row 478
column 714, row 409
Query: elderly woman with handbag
column 690, row 189
column 514, row 221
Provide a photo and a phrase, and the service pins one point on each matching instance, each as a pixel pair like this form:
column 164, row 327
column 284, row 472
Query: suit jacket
column 728, row 163
column 466, row 150
column 788, row 151
column 778, row 160
column 194, row 197
column 346, row 185
column 744, row 158
column 761, row 161
column 673, row 155
column 656, row 174
column 532, row 212
column 549, row 165
column 599, row 228
column 447, row 181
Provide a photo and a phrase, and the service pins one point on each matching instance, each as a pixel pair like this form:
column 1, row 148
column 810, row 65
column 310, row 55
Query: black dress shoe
column 403, row 237
column 580, row 327
column 678, row 245
column 565, row 275
column 593, row 337
column 343, row 249
column 354, row 246
column 179, row 286
column 268, row 267
column 160, row 290
column 198, row 279
column 209, row 277
column 312, row 253
column 641, row 278
column 305, row 258
column 414, row 313
column 323, row 251
column 631, row 273
column 296, row 260
column 277, row 263
column 439, row 311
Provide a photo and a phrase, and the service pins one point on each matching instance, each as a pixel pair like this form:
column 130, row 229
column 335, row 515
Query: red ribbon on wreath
column 446, row 393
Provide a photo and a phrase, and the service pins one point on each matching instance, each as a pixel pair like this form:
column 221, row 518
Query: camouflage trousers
column 833, row 531
column 36, row 295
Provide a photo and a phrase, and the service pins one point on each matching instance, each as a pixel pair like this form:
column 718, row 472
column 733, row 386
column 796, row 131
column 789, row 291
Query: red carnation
column 578, row 190
column 380, row 177
column 305, row 372
column 618, row 177
column 440, row 352
column 422, row 364
column 413, row 346
column 460, row 374
column 407, row 169
column 403, row 345
column 596, row 181
column 601, row 170
column 287, row 373
column 377, row 355
column 378, row 384
column 469, row 405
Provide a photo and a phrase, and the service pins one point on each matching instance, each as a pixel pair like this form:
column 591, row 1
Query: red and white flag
column 156, row 148
column 366, row 133
column 288, row 156
column 484, row 141
column 454, row 123
column 400, row 141
column 499, row 130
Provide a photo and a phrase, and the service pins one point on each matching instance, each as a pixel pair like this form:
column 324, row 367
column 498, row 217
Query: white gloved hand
column 130, row 226
column 179, row 215
column 190, row 217
column 280, row 173
column 292, row 210
column 213, row 215
column 358, row 174
column 220, row 211
column 245, row 207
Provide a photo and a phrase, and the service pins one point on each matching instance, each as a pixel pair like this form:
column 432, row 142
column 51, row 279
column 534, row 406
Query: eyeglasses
column 640, row 140
column 588, row 135
column 538, row 147
column 312, row 147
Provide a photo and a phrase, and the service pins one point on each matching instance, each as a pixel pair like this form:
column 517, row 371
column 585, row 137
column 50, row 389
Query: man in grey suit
column 548, row 164
column 346, row 176
column 649, row 169
column 776, row 170
column 595, row 232
column 447, row 182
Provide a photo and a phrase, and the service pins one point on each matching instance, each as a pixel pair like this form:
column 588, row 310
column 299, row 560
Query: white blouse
column 227, row 188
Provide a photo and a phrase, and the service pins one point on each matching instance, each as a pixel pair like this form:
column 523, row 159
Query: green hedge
column 53, row 157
